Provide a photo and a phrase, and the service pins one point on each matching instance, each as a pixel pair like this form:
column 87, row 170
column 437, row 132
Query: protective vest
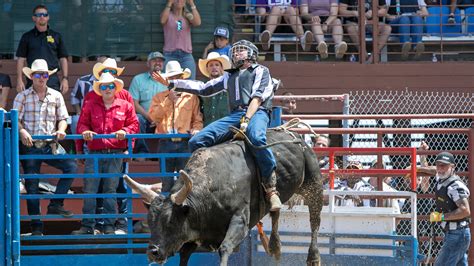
column 444, row 203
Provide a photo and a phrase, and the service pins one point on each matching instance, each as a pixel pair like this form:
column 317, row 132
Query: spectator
column 40, row 109
column 287, row 10
column 348, row 9
column 452, row 210
column 142, row 89
column 250, row 100
column 173, row 113
column 81, row 89
column 220, row 44
column 42, row 43
column 406, row 19
column 323, row 141
column 110, row 115
column 462, row 4
column 177, row 31
column 5, row 85
column 322, row 16
column 289, row 106
column 214, row 107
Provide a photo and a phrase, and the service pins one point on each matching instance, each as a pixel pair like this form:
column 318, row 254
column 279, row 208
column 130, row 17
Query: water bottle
column 434, row 59
column 316, row 59
column 283, row 57
column 353, row 58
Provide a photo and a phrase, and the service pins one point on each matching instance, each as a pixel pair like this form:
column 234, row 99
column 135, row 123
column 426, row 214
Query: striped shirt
column 40, row 117
column 82, row 87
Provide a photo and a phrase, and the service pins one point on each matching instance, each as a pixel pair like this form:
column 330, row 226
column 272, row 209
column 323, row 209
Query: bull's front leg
column 236, row 232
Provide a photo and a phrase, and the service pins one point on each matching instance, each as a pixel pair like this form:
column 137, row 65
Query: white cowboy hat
column 107, row 78
column 213, row 56
column 39, row 65
column 109, row 63
column 173, row 68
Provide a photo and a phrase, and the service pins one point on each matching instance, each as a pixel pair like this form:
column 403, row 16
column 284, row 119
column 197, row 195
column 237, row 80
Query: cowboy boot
column 272, row 194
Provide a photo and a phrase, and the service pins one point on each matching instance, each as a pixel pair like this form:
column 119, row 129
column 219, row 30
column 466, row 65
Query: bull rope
column 295, row 122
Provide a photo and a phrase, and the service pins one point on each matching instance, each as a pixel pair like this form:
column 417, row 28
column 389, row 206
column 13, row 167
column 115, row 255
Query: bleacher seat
column 437, row 22
column 469, row 13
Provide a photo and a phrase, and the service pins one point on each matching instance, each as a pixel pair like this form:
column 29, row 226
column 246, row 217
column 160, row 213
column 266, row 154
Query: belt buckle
column 176, row 139
column 40, row 144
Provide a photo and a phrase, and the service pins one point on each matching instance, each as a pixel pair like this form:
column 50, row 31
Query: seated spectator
column 406, row 19
column 175, row 112
column 348, row 9
column 214, row 107
column 322, row 16
column 42, row 111
column 461, row 4
column 289, row 105
column 110, row 115
column 177, row 32
column 323, row 141
column 5, row 85
column 286, row 9
column 220, row 44
column 142, row 89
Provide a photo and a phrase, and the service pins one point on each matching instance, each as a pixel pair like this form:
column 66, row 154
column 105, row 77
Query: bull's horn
column 148, row 194
column 179, row 197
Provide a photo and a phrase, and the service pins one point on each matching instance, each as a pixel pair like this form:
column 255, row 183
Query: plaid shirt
column 40, row 117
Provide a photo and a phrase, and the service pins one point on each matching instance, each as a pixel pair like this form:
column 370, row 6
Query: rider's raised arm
column 210, row 88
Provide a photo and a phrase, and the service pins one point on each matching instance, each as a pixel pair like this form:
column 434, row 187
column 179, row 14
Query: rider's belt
column 176, row 139
column 456, row 225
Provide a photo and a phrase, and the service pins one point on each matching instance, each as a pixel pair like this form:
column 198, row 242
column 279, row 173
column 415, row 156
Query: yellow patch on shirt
column 50, row 38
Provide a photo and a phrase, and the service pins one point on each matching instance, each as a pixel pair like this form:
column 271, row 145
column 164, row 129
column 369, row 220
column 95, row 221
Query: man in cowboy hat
column 251, row 91
column 42, row 43
column 109, row 115
column 214, row 107
column 175, row 113
column 40, row 109
column 142, row 89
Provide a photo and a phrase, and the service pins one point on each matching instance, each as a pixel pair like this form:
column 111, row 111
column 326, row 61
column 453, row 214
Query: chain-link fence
column 413, row 102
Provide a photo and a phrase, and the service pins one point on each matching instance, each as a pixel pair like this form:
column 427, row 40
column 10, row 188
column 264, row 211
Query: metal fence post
column 15, row 170
column 2, row 191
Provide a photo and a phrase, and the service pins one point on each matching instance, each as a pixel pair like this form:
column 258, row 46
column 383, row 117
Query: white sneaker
column 120, row 232
column 306, row 41
column 323, row 50
column 340, row 49
column 265, row 37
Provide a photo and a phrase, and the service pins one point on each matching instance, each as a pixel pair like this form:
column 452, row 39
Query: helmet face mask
column 241, row 51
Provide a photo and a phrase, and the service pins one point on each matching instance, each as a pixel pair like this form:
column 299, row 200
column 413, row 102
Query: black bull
column 218, row 199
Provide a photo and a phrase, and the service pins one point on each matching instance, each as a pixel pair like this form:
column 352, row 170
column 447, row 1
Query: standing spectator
column 42, row 43
column 348, row 9
column 177, row 31
column 214, row 107
column 40, row 109
column 142, row 89
column 175, row 112
column 110, row 115
column 452, row 210
column 322, row 16
column 323, row 141
column 406, row 19
column 250, row 100
column 220, row 44
column 82, row 87
column 286, row 9
column 5, row 85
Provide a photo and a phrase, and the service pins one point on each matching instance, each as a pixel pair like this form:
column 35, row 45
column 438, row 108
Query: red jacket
column 95, row 117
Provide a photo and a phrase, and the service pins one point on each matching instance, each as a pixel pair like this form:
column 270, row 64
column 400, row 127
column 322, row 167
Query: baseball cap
column 154, row 55
column 445, row 157
column 222, row 31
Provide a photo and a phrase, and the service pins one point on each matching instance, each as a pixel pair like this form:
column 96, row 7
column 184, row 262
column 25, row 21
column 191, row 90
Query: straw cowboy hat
column 173, row 68
column 107, row 78
column 39, row 65
column 109, row 63
column 213, row 56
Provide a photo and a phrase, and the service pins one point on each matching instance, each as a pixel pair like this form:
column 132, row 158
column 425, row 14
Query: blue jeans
column 185, row 60
column 67, row 166
column 140, row 144
column 455, row 247
column 172, row 164
column 400, row 25
column 109, row 186
column 218, row 132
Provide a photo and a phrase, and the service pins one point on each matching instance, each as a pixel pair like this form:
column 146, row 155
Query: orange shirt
column 187, row 115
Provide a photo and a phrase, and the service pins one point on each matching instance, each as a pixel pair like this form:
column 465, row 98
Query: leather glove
column 244, row 123
column 436, row 217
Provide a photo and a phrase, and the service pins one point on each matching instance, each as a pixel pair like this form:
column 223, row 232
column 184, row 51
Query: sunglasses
column 39, row 75
column 111, row 71
column 38, row 15
column 179, row 25
column 104, row 87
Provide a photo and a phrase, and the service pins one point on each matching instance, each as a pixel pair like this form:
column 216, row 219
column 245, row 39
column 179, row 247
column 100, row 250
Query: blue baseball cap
column 154, row 55
column 222, row 32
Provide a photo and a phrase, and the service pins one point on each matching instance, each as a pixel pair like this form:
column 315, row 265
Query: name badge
column 50, row 39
